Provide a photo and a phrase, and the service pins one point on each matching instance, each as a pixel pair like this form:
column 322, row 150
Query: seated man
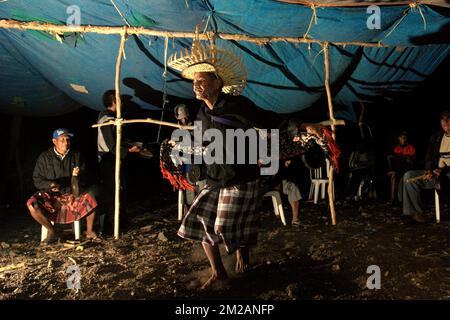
column 437, row 164
column 291, row 189
column 57, row 199
column 282, row 180
column 400, row 161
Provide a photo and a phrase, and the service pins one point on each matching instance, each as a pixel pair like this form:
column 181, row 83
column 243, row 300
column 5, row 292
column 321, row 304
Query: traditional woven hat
column 224, row 63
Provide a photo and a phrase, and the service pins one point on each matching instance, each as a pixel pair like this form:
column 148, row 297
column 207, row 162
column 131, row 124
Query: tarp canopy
column 44, row 74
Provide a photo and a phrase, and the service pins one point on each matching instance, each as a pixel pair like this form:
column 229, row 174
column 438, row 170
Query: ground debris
column 316, row 262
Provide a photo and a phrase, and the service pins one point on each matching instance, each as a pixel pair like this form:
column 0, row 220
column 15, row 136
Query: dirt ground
column 314, row 261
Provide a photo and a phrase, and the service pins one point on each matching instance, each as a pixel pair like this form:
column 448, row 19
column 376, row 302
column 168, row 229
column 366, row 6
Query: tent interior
column 377, row 59
column 388, row 64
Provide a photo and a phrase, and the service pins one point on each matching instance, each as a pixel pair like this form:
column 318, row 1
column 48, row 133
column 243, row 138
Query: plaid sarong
column 63, row 208
column 225, row 215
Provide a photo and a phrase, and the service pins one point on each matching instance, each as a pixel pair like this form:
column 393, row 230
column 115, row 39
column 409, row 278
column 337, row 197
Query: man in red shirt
column 399, row 162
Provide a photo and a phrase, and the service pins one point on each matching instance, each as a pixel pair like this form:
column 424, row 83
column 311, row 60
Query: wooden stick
column 12, row 267
column 333, row 121
column 179, row 126
column 54, row 28
column 123, row 36
column 421, row 177
column 365, row 3
column 68, row 248
column 148, row 120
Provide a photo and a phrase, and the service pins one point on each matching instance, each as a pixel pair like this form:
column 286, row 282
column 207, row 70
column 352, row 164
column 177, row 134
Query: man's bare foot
column 216, row 283
column 91, row 235
column 242, row 260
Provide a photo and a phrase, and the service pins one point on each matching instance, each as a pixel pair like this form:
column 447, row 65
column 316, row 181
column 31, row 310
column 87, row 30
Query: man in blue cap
column 56, row 176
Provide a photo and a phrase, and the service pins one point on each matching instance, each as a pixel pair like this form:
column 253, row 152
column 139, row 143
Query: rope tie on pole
column 313, row 18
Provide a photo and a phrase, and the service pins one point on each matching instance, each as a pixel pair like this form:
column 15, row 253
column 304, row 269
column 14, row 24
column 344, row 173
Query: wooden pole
column 58, row 29
column 333, row 127
column 148, row 120
column 123, row 36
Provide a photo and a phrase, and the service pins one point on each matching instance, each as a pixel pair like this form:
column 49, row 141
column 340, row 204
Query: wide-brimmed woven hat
column 223, row 62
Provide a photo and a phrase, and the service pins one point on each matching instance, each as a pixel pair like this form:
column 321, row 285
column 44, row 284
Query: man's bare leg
column 295, row 212
column 42, row 220
column 90, row 233
column 242, row 259
column 219, row 274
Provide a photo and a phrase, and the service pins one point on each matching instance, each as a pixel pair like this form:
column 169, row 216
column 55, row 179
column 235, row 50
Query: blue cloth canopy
column 45, row 74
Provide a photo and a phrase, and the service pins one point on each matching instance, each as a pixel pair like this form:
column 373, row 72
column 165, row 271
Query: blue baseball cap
column 60, row 132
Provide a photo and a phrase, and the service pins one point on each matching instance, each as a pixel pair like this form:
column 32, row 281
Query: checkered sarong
column 224, row 215
column 63, row 208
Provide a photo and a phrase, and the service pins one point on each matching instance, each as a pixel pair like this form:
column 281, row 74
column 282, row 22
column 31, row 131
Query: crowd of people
column 223, row 207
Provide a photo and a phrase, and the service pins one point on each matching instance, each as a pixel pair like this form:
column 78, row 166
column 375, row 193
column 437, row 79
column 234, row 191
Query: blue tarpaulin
column 43, row 74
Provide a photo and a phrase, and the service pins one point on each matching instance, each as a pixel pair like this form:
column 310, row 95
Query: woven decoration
column 224, row 63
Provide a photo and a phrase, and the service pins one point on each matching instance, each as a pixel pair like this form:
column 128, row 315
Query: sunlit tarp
column 42, row 74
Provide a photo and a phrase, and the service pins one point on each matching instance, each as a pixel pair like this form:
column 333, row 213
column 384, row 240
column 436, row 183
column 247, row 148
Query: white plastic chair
column 319, row 181
column 438, row 208
column 180, row 204
column 76, row 229
column 276, row 200
column 198, row 186
column 277, row 204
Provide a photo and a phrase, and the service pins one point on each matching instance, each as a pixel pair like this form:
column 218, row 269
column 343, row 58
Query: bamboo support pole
column 333, row 127
column 123, row 36
column 148, row 120
column 53, row 28
column 364, row 3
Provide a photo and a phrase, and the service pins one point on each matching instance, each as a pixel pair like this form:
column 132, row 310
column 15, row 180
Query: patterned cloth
column 294, row 146
column 63, row 208
column 224, row 215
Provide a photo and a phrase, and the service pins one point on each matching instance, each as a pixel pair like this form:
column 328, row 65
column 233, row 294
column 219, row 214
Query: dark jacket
column 432, row 156
column 241, row 111
column 50, row 168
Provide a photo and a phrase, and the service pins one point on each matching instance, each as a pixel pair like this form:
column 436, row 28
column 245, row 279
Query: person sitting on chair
column 283, row 180
column 437, row 164
column 401, row 160
column 56, row 177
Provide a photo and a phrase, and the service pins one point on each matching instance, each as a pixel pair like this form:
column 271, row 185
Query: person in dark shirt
column 436, row 173
column 225, row 210
column 106, row 149
column 58, row 175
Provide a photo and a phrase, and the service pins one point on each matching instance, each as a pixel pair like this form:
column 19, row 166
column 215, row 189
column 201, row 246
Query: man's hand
column 75, row 171
column 428, row 175
column 54, row 187
column 134, row 149
column 437, row 172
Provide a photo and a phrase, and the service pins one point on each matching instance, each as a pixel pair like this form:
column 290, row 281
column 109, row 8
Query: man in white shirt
column 437, row 166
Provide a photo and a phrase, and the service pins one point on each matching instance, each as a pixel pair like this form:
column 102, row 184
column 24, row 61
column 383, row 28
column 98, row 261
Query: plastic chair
column 438, row 208
column 198, row 186
column 277, row 204
column 319, row 181
column 276, row 200
column 180, row 204
column 76, row 229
